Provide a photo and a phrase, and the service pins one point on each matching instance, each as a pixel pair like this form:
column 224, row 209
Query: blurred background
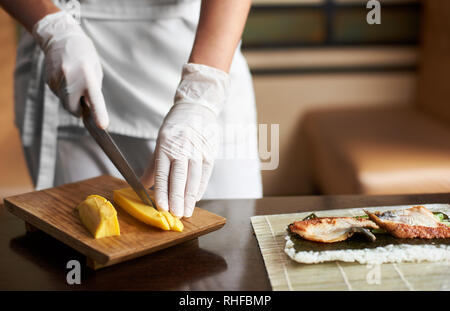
column 362, row 109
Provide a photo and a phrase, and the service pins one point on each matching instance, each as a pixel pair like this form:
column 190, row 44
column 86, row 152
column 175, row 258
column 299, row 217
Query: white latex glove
column 188, row 140
column 72, row 66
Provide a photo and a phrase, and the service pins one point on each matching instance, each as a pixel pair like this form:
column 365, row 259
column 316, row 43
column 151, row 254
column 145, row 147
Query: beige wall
column 283, row 99
column 14, row 178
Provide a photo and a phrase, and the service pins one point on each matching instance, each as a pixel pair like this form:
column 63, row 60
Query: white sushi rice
column 383, row 254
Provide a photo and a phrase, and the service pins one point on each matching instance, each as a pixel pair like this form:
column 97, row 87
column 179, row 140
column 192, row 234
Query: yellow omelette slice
column 127, row 199
column 99, row 216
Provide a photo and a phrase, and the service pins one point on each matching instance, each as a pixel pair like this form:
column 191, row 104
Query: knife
column 105, row 141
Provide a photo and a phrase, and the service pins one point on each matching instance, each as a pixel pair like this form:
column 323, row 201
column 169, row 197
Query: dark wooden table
column 228, row 259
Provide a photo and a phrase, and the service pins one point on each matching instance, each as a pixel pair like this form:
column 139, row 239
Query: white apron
column 142, row 45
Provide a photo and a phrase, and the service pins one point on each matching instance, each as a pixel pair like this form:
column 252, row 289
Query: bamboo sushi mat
column 286, row 274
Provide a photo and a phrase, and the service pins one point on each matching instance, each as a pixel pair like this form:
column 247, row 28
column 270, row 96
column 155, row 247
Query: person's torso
column 142, row 45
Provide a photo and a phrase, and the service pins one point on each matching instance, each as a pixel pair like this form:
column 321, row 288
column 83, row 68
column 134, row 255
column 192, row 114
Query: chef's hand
column 72, row 66
column 188, row 140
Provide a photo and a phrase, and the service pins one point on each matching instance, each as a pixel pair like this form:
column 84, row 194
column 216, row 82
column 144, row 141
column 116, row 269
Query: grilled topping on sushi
column 332, row 229
column 414, row 222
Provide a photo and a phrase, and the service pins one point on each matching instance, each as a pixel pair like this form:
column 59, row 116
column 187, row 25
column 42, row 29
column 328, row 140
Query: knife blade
column 105, row 141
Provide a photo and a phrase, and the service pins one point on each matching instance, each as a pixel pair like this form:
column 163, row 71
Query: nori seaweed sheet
column 359, row 241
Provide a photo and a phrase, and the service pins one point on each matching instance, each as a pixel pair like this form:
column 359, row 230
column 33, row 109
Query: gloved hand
column 188, row 140
column 72, row 66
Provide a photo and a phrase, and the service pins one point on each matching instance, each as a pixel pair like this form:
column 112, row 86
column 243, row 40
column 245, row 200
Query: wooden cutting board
column 53, row 211
column 286, row 274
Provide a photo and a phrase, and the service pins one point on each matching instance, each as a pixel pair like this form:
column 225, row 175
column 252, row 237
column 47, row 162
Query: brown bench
column 391, row 149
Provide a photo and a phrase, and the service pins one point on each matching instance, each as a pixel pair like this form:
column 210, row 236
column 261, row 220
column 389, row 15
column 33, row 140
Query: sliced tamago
column 178, row 225
column 99, row 216
column 127, row 199
column 174, row 222
column 170, row 219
